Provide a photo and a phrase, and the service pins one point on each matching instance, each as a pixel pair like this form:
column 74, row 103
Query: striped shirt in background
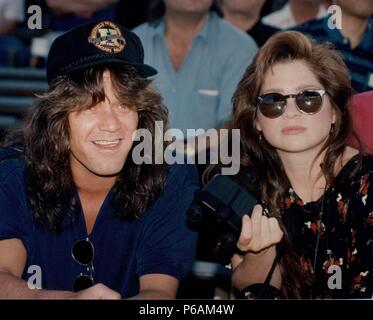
column 359, row 60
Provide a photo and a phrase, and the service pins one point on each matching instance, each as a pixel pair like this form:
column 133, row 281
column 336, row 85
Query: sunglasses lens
column 272, row 105
column 82, row 282
column 82, row 251
column 309, row 101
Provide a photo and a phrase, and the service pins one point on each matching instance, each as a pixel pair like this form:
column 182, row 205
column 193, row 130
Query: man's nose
column 109, row 120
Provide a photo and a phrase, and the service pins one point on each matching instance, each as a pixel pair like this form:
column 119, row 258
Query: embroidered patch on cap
column 106, row 36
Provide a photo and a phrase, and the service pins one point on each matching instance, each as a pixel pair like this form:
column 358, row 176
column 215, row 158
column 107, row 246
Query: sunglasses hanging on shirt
column 82, row 252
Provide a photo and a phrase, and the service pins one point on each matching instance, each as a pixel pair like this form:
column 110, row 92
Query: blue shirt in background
column 198, row 94
column 359, row 60
column 124, row 249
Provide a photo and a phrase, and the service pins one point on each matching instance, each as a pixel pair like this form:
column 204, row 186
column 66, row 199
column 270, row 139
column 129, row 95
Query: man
column 354, row 40
column 245, row 15
column 13, row 52
column 295, row 12
column 361, row 137
column 200, row 58
column 66, row 14
column 77, row 213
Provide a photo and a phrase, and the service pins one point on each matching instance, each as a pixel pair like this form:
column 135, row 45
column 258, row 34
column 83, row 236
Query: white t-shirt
column 12, row 10
column 284, row 19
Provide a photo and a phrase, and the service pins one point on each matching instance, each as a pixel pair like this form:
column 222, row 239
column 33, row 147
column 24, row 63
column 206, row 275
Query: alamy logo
column 225, row 150
column 335, row 19
column 34, row 21
column 34, row 280
column 335, row 280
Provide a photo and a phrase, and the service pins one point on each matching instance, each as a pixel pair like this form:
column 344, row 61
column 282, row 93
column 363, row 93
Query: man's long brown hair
column 46, row 144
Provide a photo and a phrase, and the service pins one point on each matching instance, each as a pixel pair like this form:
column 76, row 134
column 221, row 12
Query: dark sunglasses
column 272, row 105
column 83, row 252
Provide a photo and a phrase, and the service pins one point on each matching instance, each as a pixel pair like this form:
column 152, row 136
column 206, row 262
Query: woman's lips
column 293, row 130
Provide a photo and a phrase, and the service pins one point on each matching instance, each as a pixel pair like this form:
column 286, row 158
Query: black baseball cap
column 95, row 43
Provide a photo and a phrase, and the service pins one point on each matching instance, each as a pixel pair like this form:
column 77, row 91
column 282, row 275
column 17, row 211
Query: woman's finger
column 256, row 220
column 246, row 233
column 265, row 231
column 275, row 230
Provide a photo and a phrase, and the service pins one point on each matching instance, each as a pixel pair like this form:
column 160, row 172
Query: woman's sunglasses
column 272, row 105
column 83, row 252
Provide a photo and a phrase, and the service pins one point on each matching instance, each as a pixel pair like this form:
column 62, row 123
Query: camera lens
column 195, row 214
column 227, row 241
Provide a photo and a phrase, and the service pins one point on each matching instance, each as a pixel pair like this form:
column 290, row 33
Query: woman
column 316, row 227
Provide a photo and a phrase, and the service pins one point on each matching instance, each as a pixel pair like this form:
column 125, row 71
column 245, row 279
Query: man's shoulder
column 146, row 28
column 315, row 27
column 182, row 175
column 232, row 36
column 180, row 185
column 11, row 161
column 141, row 29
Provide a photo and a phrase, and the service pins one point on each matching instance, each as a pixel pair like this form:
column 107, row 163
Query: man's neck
column 353, row 28
column 304, row 11
column 88, row 183
column 183, row 27
column 180, row 30
column 242, row 20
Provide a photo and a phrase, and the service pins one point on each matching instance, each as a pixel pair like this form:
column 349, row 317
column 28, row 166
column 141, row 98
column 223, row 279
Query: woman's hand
column 258, row 232
column 258, row 239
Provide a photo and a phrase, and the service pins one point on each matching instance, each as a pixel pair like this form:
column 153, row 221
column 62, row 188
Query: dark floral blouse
column 337, row 230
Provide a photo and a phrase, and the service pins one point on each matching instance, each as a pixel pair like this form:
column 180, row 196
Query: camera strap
column 266, row 285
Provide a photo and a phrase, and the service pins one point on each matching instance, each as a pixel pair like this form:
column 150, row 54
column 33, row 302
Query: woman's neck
column 304, row 173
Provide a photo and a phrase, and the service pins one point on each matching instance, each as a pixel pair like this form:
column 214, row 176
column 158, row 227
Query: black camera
column 217, row 211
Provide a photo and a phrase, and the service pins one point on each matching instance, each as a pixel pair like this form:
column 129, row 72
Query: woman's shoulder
column 353, row 159
column 357, row 167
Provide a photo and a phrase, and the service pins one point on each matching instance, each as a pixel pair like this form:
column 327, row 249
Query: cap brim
column 144, row 69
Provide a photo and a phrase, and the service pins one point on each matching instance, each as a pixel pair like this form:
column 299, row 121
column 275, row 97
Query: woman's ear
column 334, row 116
column 258, row 126
column 334, row 112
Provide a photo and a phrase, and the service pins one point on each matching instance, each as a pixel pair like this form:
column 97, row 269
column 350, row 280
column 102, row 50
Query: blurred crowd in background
column 200, row 48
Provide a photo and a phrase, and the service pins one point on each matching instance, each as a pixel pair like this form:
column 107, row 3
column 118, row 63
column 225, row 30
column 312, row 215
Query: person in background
column 74, row 202
column 11, row 12
column 362, row 118
column 13, row 52
column 295, row 12
column 316, row 194
column 354, row 40
column 200, row 59
column 66, row 14
column 131, row 13
column 245, row 15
